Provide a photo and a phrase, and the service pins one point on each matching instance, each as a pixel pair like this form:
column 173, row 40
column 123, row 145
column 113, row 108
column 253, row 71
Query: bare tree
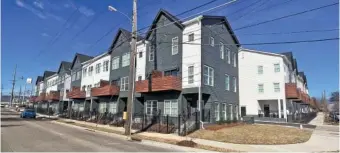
column 335, row 100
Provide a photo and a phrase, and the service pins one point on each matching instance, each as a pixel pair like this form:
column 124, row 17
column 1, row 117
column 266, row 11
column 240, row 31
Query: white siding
column 249, row 79
column 52, row 87
column 67, row 86
column 141, row 61
column 41, row 87
column 192, row 54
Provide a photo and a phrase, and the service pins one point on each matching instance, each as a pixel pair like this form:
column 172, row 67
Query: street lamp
column 112, row 9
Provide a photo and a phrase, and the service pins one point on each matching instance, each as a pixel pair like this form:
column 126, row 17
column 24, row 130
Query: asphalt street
column 30, row 135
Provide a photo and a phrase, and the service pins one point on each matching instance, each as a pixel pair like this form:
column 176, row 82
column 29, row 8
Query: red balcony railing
column 41, row 97
column 292, row 91
column 105, row 90
column 159, row 83
column 76, row 93
column 33, row 99
column 53, row 95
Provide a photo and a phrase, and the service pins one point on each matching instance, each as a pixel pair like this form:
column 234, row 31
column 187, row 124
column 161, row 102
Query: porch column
column 279, row 107
column 284, row 108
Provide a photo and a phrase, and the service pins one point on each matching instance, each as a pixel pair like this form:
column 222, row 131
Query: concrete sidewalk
column 318, row 120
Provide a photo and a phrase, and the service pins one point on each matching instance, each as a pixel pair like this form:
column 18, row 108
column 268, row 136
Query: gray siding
column 211, row 58
column 119, row 49
column 61, row 73
column 76, row 67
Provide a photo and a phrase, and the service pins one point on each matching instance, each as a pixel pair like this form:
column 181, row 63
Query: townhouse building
column 63, row 84
column 271, row 87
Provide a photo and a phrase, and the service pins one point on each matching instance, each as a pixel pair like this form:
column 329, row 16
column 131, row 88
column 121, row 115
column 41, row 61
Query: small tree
column 335, row 100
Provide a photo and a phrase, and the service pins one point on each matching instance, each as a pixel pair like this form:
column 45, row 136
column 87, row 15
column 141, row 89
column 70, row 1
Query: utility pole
column 20, row 94
column 132, row 70
column 13, row 85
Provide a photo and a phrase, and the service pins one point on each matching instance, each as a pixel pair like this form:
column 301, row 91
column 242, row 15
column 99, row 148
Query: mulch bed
column 160, row 128
column 187, row 143
column 216, row 127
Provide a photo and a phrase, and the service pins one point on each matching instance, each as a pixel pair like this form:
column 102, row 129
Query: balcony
column 33, row 99
column 159, row 83
column 53, row 96
column 292, row 91
column 105, row 90
column 76, row 93
column 41, row 97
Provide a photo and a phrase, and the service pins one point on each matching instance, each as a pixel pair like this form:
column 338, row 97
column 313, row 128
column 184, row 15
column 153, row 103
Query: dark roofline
column 76, row 56
column 61, row 63
column 124, row 32
column 48, row 74
column 39, row 78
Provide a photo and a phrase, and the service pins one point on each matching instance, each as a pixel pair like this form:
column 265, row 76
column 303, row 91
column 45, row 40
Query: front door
column 243, row 111
column 266, row 110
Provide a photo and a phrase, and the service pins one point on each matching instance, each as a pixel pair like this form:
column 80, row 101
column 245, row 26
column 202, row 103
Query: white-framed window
column 84, row 72
column 126, row 59
column 171, row 107
column 217, row 111
column 236, row 112
column 151, row 54
column 234, row 84
column 227, row 82
column 208, row 73
column 106, row 66
column 151, row 107
column 260, row 69
column 228, row 55
column 224, row 111
column 260, row 88
column 277, row 67
column 174, row 49
column 191, row 74
column 124, row 83
column 212, row 41
column 234, row 60
column 90, row 70
column 191, row 37
column 78, row 74
column 115, row 63
column 140, row 54
column 73, row 76
column 276, row 87
column 102, row 107
column 221, row 50
column 231, row 111
column 98, row 65
column 113, row 107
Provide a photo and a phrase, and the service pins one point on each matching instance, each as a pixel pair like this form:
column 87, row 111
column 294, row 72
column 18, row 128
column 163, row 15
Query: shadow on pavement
column 10, row 125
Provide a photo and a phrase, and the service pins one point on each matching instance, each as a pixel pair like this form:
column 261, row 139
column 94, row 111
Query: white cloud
column 86, row 11
column 45, row 34
column 38, row 4
column 38, row 13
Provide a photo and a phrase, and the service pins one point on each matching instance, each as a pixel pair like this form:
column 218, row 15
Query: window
column 140, row 54
column 228, row 55
column 230, row 111
column 171, row 107
column 191, row 74
column 224, row 111
column 227, row 82
column 212, row 41
column 115, row 63
column 98, row 65
column 102, row 107
column 260, row 69
column 151, row 107
column 90, row 70
column 126, row 59
column 235, row 112
column 191, row 37
column 124, row 83
column 276, row 67
column 139, row 78
column 208, row 73
column 174, row 49
column 217, row 111
column 73, row 76
column 221, row 50
column 151, row 53
column 234, row 59
column 276, row 87
column 78, row 74
column 171, row 72
column 234, row 84
column 260, row 88
column 113, row 107
column 84, row 72
column 106, row 66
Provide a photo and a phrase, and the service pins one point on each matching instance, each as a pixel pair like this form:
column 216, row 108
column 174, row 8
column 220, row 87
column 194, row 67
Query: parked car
column 28, row 113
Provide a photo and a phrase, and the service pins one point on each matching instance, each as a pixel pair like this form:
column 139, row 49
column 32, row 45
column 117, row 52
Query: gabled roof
column 48, row 74
column 39, row 79
column 82, row 58
column 127, row 34
column 302, row 74
column 169, row 16
column 291, row 58
column 225, row 21
column 67, row 65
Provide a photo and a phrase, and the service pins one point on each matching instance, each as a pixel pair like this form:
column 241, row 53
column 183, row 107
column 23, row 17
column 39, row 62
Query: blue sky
column 29, row 25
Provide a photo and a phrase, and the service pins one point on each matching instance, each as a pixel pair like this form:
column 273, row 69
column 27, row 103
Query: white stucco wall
column 249, row 79
column 191, row 55
column 141, row 61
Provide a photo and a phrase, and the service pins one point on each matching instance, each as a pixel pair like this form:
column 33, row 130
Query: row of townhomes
column 176, row 65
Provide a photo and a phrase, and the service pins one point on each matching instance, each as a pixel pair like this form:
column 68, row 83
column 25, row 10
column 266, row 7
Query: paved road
column 19, row 135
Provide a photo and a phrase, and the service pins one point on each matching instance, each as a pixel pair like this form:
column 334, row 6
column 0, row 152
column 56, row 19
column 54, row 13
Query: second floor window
column 191, row 37
column 174, row 49
column 227, row 82
column 276, row 67
column 106, row 66
column 126, row 59
column 140, row 54
column 260, row 69
column 208, row 75
column 276, row 87
column 221, row 50
column 115, row 63
column 90, row 70
column 124, row 83
column 234, row 84
column 151, row 53
column 260, row 88
column 228, row 55
column 191, row 74
column 84, row 72
column 98, row 65
column 234, row 60
column 78, row 74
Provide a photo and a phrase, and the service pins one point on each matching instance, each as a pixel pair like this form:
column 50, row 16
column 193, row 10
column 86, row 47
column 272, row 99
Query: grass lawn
column 255, row 134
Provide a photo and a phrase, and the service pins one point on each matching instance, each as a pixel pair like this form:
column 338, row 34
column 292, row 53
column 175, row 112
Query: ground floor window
column 224, row 111
column 217, row 111
column 151, row 107
column 102, row 107
column 112, row 107
column 230, row 111
column 171, row 107
column 235, row 112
